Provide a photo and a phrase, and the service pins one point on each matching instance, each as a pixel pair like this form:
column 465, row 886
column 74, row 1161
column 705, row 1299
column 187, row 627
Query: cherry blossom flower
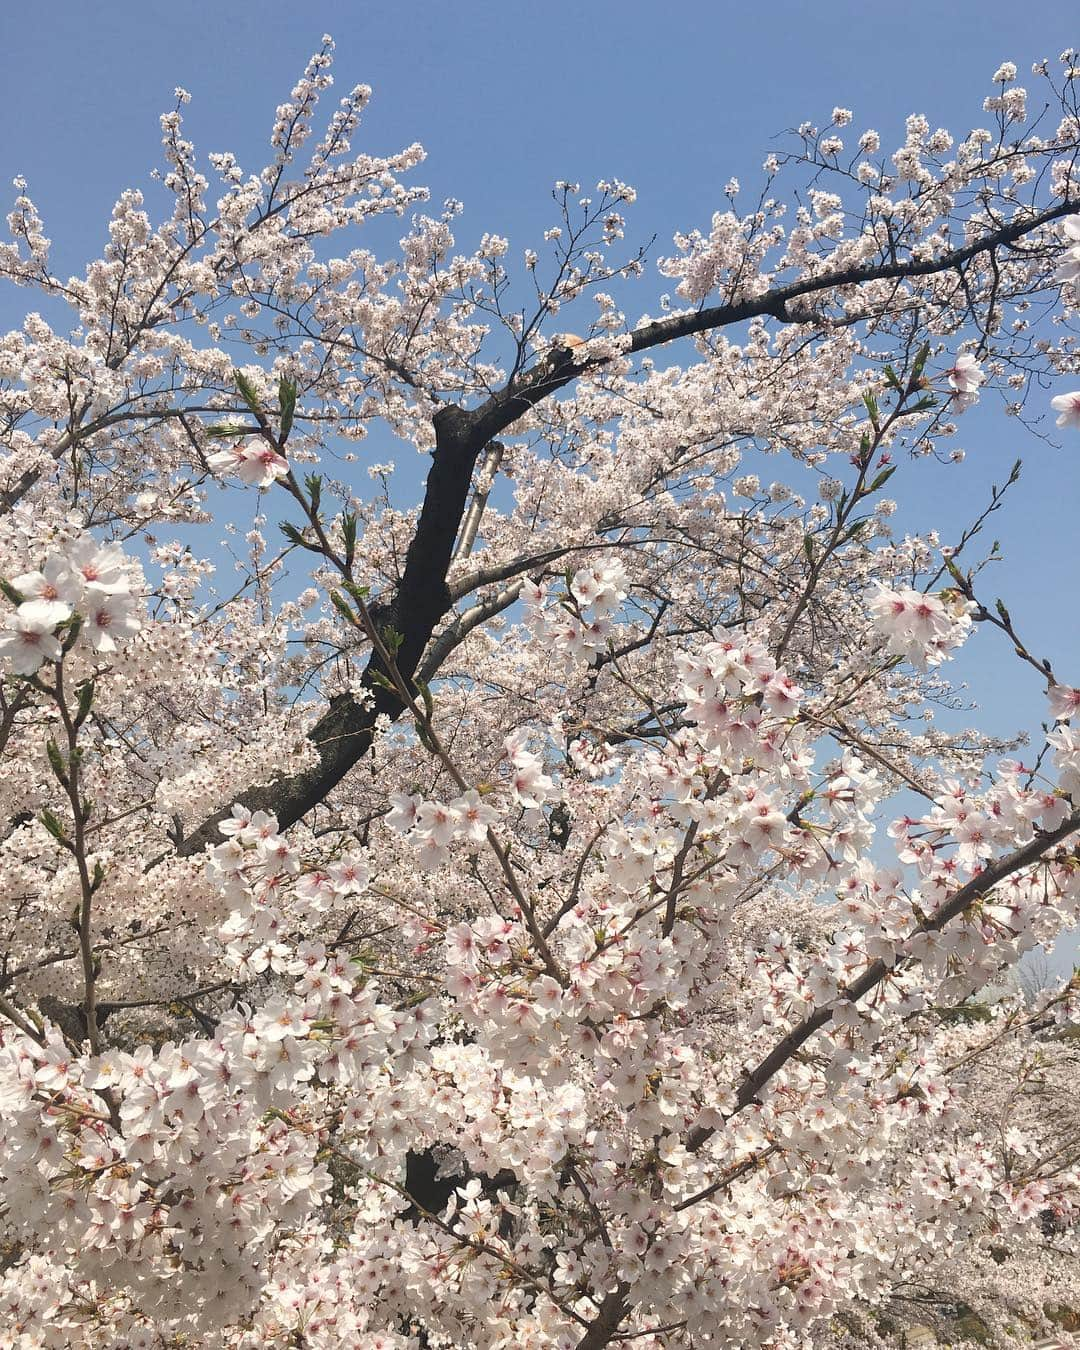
column 102, row 566
column 404, row 809
column 964, row 378
column 349, row 874
column 56, row 582
column 1068, row 270
column 110, row 618
column 473, row 816
column 531, row 787
column 32, row 639
column 919, row 627
column 435, row 822
column 1067, row 406
column 254, row 462
column 1064, row 701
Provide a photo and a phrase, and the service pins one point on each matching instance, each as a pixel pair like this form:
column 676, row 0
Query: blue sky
column 509, row 97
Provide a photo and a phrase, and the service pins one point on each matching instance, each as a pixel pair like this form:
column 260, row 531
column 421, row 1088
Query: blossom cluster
column 88, row 583
column 922, row 628
column 588, row 997
column 94, row 1149
column 964, row 379
column 432, row 826
column 255, row 463
column 578, row 627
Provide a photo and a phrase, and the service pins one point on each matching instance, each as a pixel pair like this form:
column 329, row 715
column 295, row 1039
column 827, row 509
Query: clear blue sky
column 509, row 97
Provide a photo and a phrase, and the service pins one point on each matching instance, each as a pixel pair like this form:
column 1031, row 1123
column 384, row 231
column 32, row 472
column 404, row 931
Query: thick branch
column 343, row 735
column 877, row 972
column 560, row 367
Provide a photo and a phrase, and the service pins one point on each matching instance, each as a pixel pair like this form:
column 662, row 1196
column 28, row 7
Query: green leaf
column 86, row 700
column 293, row 535
column 247, row 391
column 358, row 593
column 365, row 959
column 313, row 483
column 286, row 406
column 74, row 627
column 892, row 379
column 98, row 879
column 921, row 358
column 392, row 639
column 56, row 761
column 53, row 826
column 16, row 597
column 344, row 608
column 808, row 547
column 871, row 405
column 882, row 478
column 348, row 534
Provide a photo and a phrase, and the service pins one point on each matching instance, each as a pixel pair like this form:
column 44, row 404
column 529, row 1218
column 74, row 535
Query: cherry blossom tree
column 541, row 917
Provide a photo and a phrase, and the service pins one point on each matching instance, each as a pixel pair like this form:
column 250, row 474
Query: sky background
column 507, row 98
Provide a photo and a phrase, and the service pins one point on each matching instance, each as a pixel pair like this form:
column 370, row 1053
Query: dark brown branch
column 559, row 368
column 343, row 735
column 616, row 1305
column 877, row 972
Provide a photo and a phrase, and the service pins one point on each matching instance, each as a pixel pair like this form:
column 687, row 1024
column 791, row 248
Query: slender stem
column 71, row 782
column 502, row 853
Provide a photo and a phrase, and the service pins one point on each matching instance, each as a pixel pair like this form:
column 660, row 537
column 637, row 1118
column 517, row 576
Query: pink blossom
column 101, row 566
column 256, row 463
column 473, row 816
column 109, row 619
column 1068, row 270
column 964, row 375
column 1067, row 406
column 31, row 640
column 55, row 582
column 403, row 811
column 1064, row 701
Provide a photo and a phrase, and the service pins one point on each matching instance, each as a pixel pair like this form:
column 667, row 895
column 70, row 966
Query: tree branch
column 344, row 734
